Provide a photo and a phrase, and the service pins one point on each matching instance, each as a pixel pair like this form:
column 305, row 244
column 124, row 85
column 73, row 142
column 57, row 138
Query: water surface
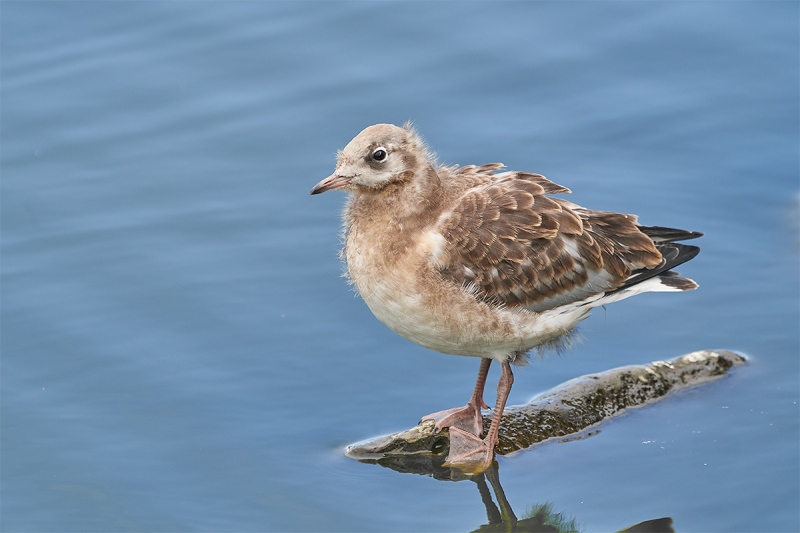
column 179, row 352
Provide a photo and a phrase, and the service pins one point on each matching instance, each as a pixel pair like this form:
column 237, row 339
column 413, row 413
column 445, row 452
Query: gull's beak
column 331, row 182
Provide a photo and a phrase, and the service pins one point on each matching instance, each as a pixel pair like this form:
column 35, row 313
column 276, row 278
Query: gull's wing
column 513, row 245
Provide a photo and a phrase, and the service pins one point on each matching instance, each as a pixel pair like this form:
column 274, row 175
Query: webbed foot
column 467, row 418
column 469, row 453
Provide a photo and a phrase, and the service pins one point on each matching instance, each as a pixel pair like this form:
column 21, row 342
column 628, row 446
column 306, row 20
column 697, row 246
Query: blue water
column 179, row 352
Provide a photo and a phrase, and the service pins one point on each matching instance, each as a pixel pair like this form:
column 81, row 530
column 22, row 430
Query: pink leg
column 468, row 452
column 467, row 418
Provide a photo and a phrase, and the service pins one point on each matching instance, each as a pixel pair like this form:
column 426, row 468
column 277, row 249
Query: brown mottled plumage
column 509, row 240
column 482, row 262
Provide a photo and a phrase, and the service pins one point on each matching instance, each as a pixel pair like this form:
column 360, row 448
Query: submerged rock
column 564, row 411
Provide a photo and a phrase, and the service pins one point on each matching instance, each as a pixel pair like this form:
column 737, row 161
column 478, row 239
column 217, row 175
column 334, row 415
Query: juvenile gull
column 481, row 262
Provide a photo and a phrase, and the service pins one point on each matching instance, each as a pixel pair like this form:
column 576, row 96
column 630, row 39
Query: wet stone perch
column 565, row 410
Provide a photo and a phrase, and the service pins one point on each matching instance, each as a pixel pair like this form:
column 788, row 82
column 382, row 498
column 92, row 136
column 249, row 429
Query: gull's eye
column 379, row 154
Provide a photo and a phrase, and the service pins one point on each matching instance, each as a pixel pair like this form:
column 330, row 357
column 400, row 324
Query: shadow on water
column 500, row 516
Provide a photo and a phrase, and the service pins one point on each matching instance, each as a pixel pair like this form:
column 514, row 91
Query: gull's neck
column 404, row 206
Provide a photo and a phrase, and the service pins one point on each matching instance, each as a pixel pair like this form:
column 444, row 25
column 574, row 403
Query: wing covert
column 515, row 246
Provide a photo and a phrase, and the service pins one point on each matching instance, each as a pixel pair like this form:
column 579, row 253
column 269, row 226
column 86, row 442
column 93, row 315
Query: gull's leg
column 467, row 418
column 468, row 452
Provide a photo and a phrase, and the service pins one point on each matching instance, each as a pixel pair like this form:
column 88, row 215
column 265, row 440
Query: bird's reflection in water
column 540, row 518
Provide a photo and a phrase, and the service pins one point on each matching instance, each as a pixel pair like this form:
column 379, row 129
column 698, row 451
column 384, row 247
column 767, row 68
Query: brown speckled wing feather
column 516, row 246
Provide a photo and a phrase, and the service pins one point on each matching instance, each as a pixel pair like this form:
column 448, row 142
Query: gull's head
column 378, row 156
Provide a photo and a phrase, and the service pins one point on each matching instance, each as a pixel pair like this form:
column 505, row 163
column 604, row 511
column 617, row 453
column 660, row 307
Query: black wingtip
column 685, row 253
column 674, row 254
column 660, row 234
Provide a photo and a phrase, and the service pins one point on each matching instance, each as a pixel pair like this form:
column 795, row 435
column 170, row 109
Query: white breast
column 405, row 292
